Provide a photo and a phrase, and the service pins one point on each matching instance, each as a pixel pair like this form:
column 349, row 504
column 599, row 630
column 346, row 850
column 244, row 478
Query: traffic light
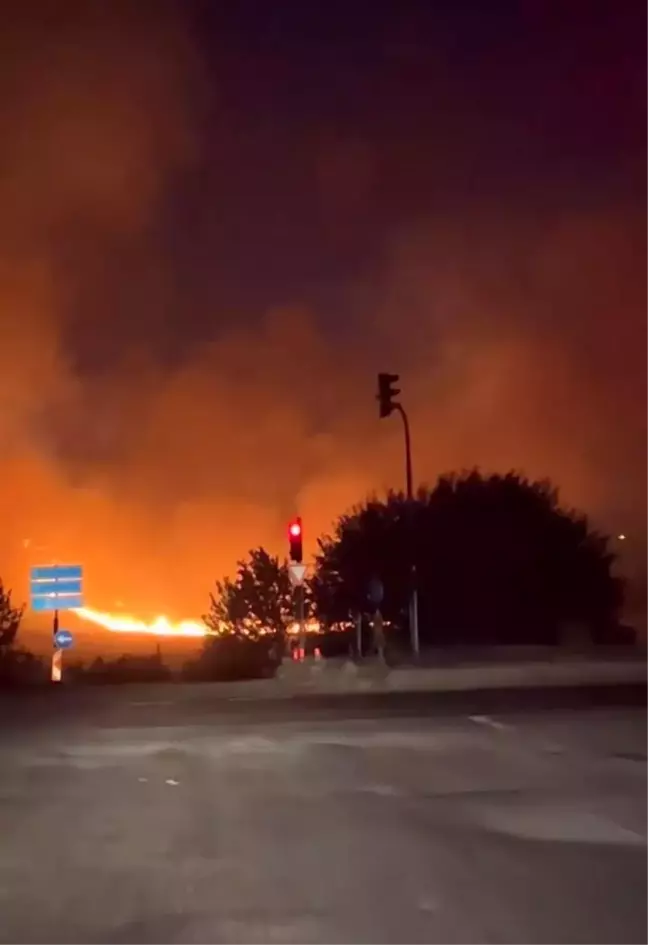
column 387, row 392
column 295, row 540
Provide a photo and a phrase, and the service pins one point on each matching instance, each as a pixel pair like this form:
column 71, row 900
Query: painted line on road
column 382, row 790
column 487, row 720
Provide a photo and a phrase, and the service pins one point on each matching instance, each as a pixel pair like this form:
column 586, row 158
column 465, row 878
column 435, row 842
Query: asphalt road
column 165, row 814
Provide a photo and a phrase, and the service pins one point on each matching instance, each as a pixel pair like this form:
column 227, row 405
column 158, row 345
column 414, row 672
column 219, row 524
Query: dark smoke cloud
column 157, row 453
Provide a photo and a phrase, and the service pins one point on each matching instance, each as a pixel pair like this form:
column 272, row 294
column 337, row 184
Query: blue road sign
column 52, row 602
column 56, row 587
column 63, row 639
column 57, row 572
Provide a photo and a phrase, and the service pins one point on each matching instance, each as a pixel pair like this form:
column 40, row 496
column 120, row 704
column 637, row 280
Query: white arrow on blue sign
column 56, row 587
column 63, row 639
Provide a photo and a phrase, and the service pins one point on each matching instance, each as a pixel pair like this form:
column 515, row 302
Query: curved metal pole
column 408, row 451
column 413, row 604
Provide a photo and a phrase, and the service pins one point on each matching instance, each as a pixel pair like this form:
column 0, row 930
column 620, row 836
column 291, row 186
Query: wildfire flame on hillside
column 163, row 627
column 159, row 627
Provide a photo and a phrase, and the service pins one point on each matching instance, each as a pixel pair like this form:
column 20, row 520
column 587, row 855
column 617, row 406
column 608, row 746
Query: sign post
column 53, row 588
column 358, row 629
column 297, row 572
column 375, row 594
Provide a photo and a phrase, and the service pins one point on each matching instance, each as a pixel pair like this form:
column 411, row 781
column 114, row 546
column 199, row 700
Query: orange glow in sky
column 160, row 419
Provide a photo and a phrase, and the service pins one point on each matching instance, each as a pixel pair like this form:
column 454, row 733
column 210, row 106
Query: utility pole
column 387, row 393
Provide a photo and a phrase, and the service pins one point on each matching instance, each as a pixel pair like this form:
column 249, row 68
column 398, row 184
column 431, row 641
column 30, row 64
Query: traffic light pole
column 387, row 394
column 295, row 557
column 413, row 603
column 408, row 452
column 299, row 614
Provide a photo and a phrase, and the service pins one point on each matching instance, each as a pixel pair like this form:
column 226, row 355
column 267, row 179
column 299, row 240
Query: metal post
column 299, row 602
column 379, row 634
column 413, row 603
column 408, row 452
column 359, row 634
column 57, row 654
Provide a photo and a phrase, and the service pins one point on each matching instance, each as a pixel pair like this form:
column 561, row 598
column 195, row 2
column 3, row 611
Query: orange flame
column 163, row 627
column 160, row 627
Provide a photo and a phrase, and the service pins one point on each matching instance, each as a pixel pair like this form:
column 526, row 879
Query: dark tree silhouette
column 125, row 669
column 10, row 618
column 248, row 617
column 256, row 603
column 498, row 561
column 17, row 666
column 20, row 667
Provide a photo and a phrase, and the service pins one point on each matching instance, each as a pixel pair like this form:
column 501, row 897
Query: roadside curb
column 349, row 678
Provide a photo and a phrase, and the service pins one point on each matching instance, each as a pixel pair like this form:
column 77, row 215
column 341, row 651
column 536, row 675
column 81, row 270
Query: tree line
column 498, row 561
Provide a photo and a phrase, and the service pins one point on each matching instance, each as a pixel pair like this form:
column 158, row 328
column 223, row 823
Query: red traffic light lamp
column 296, row 552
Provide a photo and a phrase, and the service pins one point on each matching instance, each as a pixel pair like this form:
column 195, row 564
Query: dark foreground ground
column 170, row 814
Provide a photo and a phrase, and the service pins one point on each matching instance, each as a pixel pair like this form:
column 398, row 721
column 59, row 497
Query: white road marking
column 559, row 822
column 384, row 790
column 487, row 720
column 428, row 904
column 172, row 782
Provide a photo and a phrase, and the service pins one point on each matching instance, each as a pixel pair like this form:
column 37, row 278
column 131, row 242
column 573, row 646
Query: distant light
column 295, row 529
column 621, row 537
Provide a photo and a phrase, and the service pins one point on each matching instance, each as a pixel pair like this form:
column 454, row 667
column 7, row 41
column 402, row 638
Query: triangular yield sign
column 297, row 572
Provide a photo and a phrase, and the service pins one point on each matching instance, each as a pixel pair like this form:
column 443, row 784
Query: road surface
column 156, row 814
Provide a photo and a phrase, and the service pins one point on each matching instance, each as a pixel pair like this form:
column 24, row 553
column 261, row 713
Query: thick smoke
column 519, row 339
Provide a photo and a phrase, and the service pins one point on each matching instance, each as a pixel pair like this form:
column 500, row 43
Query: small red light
column 295, row 529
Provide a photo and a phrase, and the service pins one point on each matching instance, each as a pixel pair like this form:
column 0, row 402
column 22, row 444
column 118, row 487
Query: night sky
column 220, row 220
